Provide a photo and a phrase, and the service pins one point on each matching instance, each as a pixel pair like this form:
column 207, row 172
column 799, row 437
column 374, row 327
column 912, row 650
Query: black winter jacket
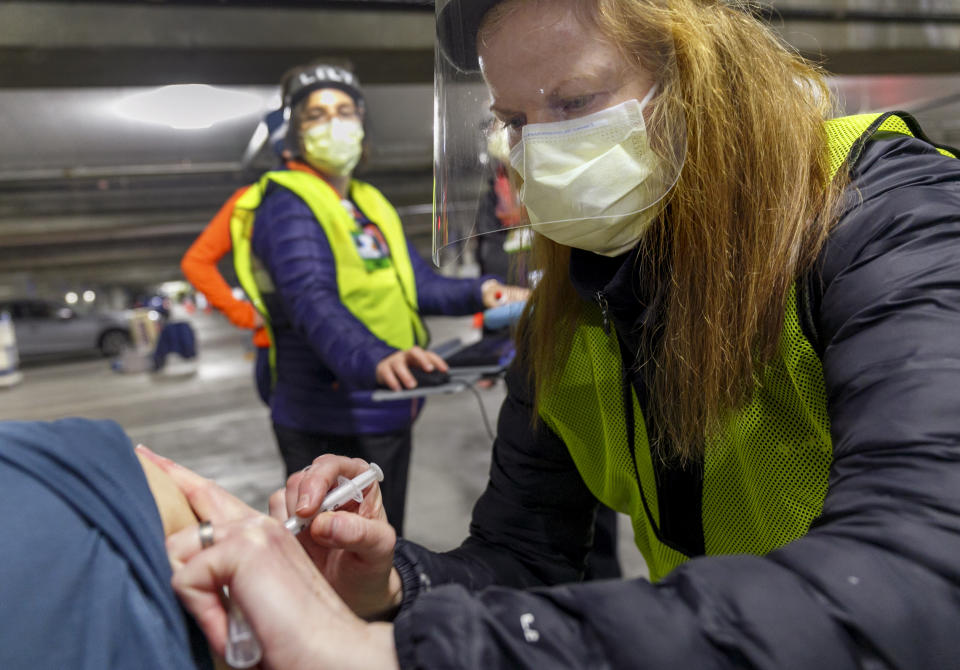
column 874, row 584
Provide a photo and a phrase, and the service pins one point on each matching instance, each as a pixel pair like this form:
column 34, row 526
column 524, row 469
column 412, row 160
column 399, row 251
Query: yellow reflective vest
column 383, row 297
column 765, row 472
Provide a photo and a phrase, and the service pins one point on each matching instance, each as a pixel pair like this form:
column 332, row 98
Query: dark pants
column 602, row 561
column 391, row 451
column 175, row 337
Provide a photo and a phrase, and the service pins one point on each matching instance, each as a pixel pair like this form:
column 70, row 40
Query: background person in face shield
column 765, row 379
column 500, row 244
column 325, row 257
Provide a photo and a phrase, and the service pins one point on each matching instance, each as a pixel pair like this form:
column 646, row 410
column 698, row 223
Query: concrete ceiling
column 88, row 197
column 53, row 44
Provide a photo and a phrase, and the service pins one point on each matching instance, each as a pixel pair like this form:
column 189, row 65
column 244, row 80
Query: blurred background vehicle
column 45, row 328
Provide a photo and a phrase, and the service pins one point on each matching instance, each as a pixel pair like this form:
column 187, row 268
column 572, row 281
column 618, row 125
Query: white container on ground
column 9, row 356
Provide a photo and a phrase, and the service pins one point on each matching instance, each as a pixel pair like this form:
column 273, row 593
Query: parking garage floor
column 213, row 422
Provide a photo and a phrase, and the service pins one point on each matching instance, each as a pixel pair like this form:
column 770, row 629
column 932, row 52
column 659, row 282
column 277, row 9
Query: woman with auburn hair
column 743, row 337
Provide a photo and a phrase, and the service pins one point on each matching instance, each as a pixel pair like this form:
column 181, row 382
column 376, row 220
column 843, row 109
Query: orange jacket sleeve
column 199, row 266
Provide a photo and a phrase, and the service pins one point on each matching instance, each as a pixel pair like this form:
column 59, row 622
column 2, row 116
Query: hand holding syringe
column 345, row 491
column 243, row 649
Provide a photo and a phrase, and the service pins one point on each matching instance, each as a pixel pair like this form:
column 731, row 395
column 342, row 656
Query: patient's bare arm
column 175, row 512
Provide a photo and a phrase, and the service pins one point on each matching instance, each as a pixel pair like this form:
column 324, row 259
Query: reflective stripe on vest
column 765, row 472
column 384, row 299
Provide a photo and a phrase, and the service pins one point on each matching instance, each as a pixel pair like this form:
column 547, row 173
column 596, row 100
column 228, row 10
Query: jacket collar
column 299, row 166
column 617, row 286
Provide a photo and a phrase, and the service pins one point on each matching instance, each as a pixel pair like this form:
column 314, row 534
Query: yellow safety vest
column 383, row 298
column 765, row 473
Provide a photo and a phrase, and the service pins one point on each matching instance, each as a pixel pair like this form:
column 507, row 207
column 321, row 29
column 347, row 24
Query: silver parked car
column 44, row 328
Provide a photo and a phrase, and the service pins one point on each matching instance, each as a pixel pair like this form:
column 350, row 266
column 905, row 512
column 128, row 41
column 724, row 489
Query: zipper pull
column 602, row 301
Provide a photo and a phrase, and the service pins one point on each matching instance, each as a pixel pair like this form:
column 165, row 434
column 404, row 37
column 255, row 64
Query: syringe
column 243, row 649
column 345, row 491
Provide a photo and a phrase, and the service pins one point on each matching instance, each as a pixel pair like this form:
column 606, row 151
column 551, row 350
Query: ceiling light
column 188, row 106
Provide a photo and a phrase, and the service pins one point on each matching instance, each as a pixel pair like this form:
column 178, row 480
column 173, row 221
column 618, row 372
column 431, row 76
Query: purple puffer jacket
column 324, row 353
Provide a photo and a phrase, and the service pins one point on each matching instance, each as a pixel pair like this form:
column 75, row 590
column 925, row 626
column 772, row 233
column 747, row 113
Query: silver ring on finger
column 205, row 529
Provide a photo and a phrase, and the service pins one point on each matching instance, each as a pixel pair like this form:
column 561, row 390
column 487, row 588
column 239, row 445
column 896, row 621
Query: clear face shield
column 554, row 129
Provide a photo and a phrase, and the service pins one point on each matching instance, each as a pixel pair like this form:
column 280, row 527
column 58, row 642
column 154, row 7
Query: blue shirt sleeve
column 84, row 577
column 290, row 243
column 446, row 296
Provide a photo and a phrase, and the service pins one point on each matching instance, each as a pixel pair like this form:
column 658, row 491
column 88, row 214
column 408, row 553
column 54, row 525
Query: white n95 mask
column 591, row 182
column 334, row 146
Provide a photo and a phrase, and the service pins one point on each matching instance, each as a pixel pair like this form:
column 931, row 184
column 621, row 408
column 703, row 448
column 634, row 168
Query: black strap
column 912, row 125
column 630, row 422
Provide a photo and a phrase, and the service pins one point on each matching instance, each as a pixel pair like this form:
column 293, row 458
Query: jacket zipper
column 604, row 310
